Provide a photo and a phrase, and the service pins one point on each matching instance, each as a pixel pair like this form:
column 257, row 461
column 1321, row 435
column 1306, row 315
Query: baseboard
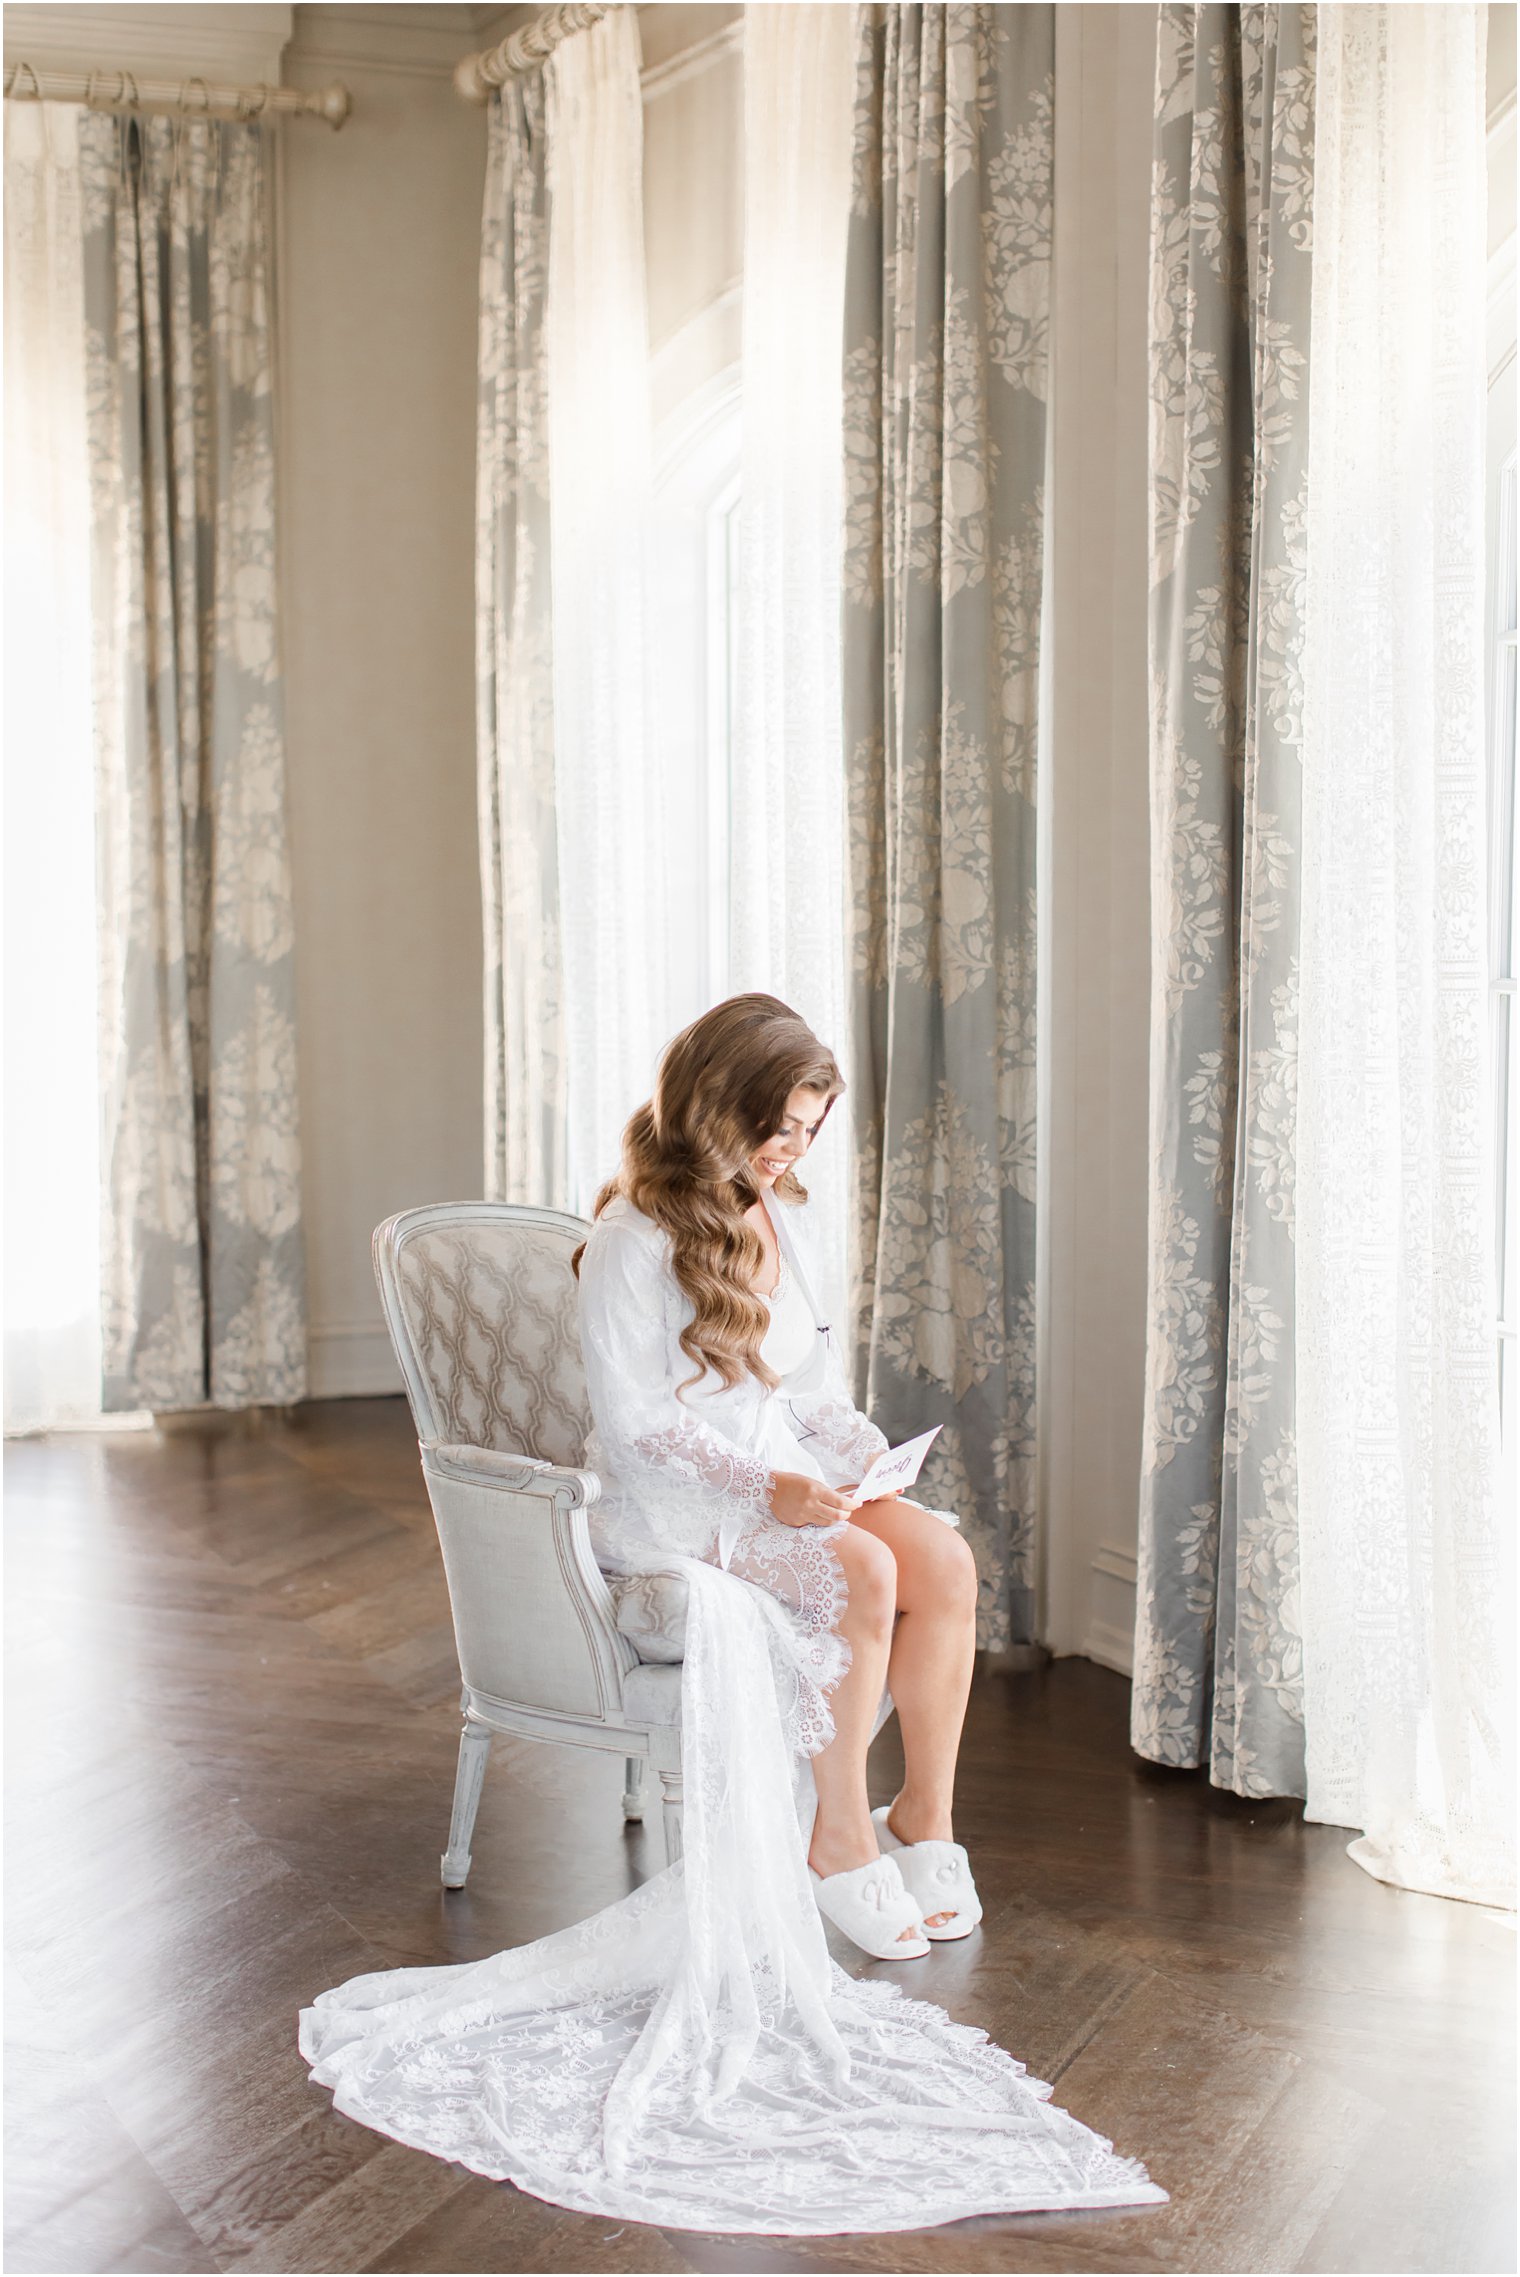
column 351, row 1360
column 1110, row 1638
column 1110, row 1646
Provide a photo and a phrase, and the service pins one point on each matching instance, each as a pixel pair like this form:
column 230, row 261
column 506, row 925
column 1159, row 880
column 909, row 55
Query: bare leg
column 843, row 1835
column 931, row 1660
column 929, row 1653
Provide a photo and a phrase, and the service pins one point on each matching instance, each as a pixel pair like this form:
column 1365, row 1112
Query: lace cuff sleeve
column 643, row 1430
column 845, row 1441
column 702, row 1460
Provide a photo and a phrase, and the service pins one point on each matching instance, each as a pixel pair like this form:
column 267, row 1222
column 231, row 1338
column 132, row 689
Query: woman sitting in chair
column 724, row 1429
column 691, row 2054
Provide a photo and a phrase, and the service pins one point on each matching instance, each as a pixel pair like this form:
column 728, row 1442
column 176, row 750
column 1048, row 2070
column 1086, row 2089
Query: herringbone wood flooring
column 231, row 1738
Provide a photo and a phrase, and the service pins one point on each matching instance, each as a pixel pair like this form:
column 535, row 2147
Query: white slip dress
column 789, row 1338
column 692, row 2056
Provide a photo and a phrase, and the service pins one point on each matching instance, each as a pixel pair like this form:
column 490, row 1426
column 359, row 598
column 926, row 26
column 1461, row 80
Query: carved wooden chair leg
column 633, row 1788
column 671, row 1794
column 474, row 1747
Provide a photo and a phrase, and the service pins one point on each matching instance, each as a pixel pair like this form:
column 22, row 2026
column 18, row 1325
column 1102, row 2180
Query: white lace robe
column 689, row 1474
column 691, row 2055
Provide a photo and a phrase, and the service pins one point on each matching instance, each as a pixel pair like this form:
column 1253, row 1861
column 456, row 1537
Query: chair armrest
column 524, row 1474
column 534, row 1620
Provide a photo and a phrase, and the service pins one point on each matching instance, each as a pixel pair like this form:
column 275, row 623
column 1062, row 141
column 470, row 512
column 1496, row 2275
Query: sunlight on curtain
column 612, row 866
column 52, row 1231
column 1407, row 1665
column 787, row 821
column 514, row 688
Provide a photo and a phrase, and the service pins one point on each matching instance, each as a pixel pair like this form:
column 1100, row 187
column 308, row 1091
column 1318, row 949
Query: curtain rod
column 477, row 77
column 188, row 98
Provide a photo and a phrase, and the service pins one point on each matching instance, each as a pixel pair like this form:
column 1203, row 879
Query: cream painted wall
column 1096, row 819
column 379, row 245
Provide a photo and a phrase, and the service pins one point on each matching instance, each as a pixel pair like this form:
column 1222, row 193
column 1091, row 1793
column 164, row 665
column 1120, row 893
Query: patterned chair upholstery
column 479, row 1298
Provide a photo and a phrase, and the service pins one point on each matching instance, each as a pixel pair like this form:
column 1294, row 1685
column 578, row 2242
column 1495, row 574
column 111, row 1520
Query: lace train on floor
column 691, row 2055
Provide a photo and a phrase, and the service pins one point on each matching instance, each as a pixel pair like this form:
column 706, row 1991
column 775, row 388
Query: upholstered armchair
column 480, row 1301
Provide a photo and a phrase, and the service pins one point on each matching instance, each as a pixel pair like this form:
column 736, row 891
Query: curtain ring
column 186, row 115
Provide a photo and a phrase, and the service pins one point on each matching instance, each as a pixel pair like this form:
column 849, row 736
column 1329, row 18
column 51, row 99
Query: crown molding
column 423, row 43
column 222, row 41
column 443, row 15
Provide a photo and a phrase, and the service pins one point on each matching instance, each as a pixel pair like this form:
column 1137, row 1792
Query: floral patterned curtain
column 946, row 360
column 203, row 1294
column 525, row 1051
column 1218, row 1649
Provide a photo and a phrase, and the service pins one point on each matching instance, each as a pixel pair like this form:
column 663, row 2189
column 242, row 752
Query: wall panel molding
column 1111, row 1644
column 415, row 43
column 658, row 79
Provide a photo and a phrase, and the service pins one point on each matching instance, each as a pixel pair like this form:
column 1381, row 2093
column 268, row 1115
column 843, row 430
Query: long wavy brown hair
column 720, row 1092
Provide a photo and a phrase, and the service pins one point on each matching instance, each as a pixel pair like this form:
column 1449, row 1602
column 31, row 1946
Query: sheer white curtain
column 1406, row 1661
column 787, row 798
column 613, row 878
column 52, row 1232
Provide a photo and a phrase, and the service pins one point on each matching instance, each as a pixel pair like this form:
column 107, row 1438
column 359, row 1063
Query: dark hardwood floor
column 231, row 1734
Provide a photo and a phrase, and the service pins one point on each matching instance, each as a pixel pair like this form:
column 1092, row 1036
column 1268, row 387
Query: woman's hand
column 799, row 1500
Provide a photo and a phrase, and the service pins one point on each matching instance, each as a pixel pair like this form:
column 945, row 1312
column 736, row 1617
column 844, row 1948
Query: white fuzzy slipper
column 938, row 1875
column 873, row 1906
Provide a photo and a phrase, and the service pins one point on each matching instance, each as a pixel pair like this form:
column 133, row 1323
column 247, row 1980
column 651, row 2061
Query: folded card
column 897, row 1468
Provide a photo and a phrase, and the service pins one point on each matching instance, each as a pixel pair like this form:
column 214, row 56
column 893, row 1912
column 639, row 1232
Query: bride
column 685, row 1275
column 691, row 2055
